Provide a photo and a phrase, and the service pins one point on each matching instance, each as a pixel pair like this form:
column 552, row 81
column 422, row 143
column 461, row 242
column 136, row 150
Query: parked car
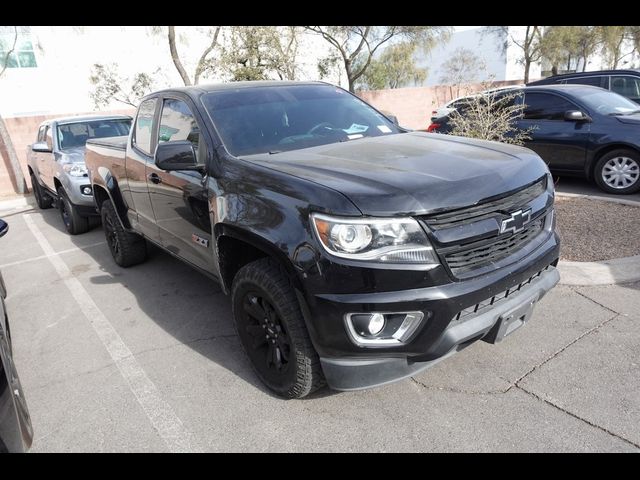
column 355, row 252
column 16, row 432
column 452, row 105
column 580, row 130
column 623, row 82
column 57, row 170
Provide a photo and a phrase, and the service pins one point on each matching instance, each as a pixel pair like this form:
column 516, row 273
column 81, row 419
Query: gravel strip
column 593, row 230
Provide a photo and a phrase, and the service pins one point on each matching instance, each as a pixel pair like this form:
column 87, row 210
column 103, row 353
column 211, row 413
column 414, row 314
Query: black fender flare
column 109, row 185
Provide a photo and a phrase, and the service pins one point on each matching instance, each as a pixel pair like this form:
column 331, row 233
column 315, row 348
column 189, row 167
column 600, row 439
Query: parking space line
column 160, row 414
column 40, row 257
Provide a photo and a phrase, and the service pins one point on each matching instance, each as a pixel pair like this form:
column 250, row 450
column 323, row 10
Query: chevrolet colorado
column 356, row 253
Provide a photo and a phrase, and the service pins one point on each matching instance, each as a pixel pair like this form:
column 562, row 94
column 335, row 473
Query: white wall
column 60, row 82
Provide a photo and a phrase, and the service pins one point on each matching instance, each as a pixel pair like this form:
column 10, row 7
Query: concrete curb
column 17, row 203
column 607, row 272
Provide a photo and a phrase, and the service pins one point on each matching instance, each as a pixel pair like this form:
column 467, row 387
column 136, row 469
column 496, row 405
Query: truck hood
column 411, row 173
column 72, row 155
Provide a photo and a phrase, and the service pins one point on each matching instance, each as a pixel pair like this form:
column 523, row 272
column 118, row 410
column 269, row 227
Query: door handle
column 154, row 178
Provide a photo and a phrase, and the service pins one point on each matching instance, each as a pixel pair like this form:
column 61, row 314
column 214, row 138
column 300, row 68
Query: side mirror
column 576, row 116
column 178, row 155
column 41, row 147
column 4, row 227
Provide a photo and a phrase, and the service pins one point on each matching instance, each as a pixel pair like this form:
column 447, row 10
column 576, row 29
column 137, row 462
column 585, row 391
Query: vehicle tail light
column 433, row 126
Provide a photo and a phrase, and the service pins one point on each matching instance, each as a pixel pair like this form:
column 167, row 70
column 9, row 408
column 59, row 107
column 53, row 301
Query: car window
column 144, row 123
column 546, row 106
column 72, row 135
column 626, row 86
column 275, row 119
column 41, row 134
column 595, row 81
column 178, row 123
column 48, row 137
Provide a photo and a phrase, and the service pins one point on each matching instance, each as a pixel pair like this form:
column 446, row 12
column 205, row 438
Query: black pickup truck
column 356, row 253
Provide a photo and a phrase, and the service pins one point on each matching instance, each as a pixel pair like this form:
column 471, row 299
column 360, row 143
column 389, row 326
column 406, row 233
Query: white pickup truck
column 57, row 170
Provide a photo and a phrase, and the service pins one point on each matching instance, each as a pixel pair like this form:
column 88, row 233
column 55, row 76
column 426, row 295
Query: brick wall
column 23, row 131
column 413, row 106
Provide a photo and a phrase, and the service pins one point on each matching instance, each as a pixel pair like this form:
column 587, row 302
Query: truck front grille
column 469, row 241
column 472, row 256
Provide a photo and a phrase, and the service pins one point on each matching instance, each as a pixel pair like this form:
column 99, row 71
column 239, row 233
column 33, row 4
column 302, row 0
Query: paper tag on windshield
column 384, row 129
column 354, row 136
column 355, row 128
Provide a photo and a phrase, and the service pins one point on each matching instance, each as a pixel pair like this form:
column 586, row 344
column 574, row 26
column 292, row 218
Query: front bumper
column 348, row 366
column 355, row 373
column 73, row 188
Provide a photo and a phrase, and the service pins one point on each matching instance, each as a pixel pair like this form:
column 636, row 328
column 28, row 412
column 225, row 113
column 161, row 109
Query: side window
column 626, row 86
column 595, row 81
column 144, row 124
column 40, row 134
column 178, row 123
column 48, row 137
column 545, row 106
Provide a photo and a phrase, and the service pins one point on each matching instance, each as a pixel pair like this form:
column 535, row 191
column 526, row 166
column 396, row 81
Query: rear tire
column 43, row 200
column 618, row 172
column 272, row 331
column 74, row 223
column 127, row 248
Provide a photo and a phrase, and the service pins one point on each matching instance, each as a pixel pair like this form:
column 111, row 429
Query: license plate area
column 510, row 321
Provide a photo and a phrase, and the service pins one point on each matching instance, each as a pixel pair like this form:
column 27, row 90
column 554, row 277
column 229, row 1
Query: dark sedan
column 580, row 130
column 16, row 433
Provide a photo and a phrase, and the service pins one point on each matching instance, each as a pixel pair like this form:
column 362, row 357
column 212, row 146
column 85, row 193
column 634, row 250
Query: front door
column 180, row 198
column 139, row 156
column 562, row 144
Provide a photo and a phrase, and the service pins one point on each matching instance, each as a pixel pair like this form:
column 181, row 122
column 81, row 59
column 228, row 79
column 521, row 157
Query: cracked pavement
column 568, row 381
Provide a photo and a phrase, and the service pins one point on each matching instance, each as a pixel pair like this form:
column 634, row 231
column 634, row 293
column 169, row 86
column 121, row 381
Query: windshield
column 275, row 119
column 73, row 135
column 608, row 103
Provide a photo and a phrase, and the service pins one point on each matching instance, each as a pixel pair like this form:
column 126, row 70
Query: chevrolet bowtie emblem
column 516, row 222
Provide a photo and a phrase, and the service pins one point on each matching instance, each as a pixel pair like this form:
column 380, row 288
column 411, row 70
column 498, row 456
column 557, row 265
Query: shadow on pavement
column 183, row 302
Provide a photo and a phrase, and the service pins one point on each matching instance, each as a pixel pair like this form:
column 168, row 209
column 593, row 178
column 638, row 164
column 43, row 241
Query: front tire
column 272, row 331
column 74, row 223
column 618, row 172
column 126, row 248
column 43, row 200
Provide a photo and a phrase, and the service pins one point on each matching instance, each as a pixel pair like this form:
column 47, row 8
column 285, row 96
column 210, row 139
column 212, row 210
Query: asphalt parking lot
column 146, row 359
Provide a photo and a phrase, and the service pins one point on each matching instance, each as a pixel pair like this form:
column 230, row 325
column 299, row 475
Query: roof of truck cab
column 85, row 118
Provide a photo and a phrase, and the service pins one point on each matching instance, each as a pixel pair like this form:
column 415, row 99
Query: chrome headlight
column 381, row 240
column 76, row 169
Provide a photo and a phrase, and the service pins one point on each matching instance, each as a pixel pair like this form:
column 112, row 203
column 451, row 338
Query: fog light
column 86, row 190
column 376, row 322
column 382, row 329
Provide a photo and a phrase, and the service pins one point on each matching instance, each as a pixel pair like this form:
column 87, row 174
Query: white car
column 451, row 105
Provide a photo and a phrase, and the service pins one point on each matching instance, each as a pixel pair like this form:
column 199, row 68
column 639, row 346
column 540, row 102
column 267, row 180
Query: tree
column 569, row 45
column 260, row 53
column 108, row 84
column 394, row 69
column 4, row 132
column 613, row 39
column 357, row 45
column 530, row 44
column 464, row 67
column 490, row 117
column 205, row 62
